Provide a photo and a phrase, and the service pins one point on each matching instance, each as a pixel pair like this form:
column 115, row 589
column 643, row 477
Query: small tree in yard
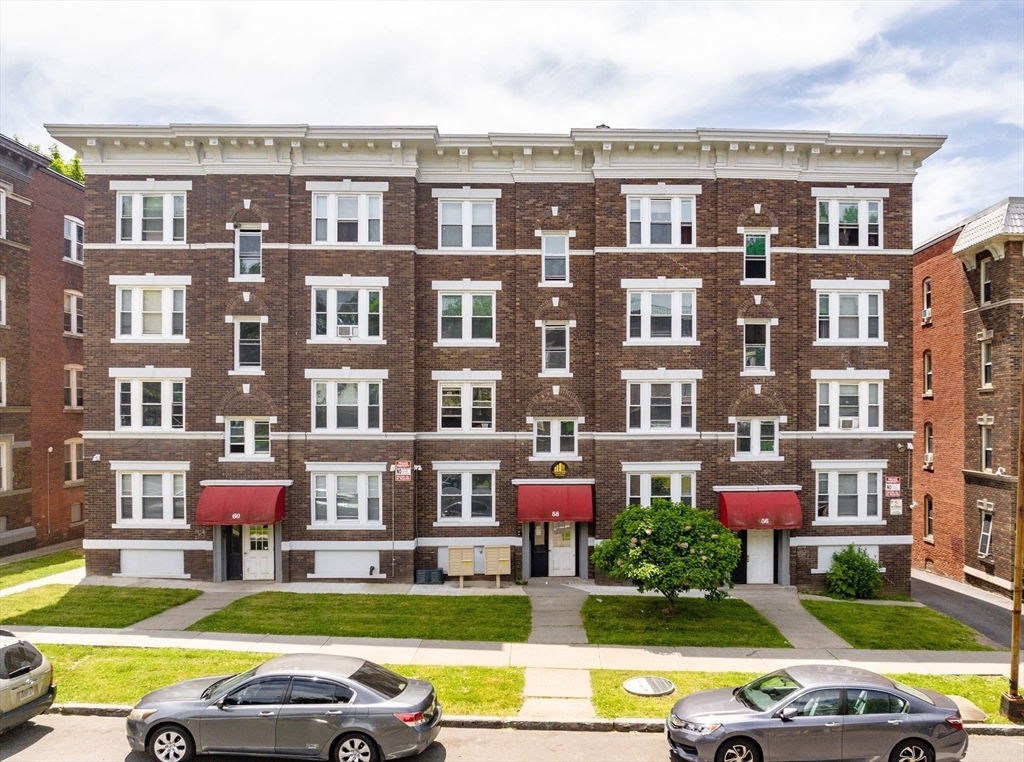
column 854, row 574
column 671, row 548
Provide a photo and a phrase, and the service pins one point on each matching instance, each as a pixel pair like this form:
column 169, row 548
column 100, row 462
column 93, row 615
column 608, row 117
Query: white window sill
column 348, row 244
column 247, row 279
column 344, row 432
column 665, row 430
column 928, row 395
column 467, row 343
column 756, row 282
column 555, row 458
column 73, row 335
column 351, row 526
column 470, row 432
column 470, row 523
column 849, row 343
column 246, row 459
column 150, row 525
column 445, row 249
column 986, row 389
column 849, row 522
column 756, row 459
column 825, row 571
column 72, row 409
column 152, row 244
column 555, row 374
column 555, row 284
column 247, row 372
column 661, row 343
column 74, row 262
column 148, row 430
column 930, row 539
column 149, row 340
column 75, row 483
column 852, row 432
column 756, row 373
column 77, row 523
column 322, row 340
column 661, row 246
column 844, row 249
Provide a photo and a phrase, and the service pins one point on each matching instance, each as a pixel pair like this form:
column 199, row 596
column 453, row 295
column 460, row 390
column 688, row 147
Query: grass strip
column 983, row 691
column 642, row 621
column 20, row 572
column 476, row 617
column 887, row 627
column 90, row 605
column 111, row 675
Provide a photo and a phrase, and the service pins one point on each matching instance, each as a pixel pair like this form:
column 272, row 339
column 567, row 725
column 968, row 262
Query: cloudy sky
column 951, row 68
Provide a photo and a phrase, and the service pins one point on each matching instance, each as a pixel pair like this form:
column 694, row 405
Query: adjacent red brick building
column 41, row 328
column 969, row 292
column 550, row 327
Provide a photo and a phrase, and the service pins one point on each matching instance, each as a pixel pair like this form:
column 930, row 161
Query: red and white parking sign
column 892, row 486
column 403, row 470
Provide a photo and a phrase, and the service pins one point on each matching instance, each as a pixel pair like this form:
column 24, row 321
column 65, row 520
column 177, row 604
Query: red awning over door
column 240, row 505
column 760, row 510
column 556, row 502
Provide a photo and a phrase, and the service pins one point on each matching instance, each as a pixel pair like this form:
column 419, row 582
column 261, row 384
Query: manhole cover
column 649, row 686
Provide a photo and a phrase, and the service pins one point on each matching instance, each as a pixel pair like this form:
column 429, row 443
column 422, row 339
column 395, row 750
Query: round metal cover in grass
column 649, row 686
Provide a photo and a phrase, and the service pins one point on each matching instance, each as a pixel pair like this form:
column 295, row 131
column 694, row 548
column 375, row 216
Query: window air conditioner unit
column 929, row 459
column 348, row 331
column 849, row 423
column 926, row 315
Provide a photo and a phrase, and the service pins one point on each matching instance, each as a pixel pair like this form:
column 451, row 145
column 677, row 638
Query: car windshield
column 913, row 692
column 221, row 687
column 382, row 681
column 765, row 692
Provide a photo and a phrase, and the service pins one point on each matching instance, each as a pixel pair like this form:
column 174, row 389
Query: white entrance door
column 760, row 557
column 562, row 549
column 257, row 551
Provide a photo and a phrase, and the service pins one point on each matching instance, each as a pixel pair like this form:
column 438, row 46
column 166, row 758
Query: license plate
column 25, row 694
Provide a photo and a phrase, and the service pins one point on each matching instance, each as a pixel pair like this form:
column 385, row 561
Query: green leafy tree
column 71, row 168
column 671, row 548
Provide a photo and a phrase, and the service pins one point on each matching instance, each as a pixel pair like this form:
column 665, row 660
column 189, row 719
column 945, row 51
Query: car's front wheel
column 739, row 750
column 171, row 743
column 912, row 751
column 356, row 747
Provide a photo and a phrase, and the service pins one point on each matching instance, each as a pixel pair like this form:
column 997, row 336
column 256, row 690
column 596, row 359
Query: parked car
column 817, row 713
column 314, row 706
column 26, row 681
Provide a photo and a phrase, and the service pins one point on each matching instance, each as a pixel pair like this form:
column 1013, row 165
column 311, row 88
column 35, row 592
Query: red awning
column 240, row 505
column 556, row 502
column 759, row 510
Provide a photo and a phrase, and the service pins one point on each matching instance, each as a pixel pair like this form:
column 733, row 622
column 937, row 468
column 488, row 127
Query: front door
column 257, row 551
column 562, row 549
column 760, row 557
column 539, row 549
column 233, row 551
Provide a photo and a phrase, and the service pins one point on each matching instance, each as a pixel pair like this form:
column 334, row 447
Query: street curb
column 619, row 725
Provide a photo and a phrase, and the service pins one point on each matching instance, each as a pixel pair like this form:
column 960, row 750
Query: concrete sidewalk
column 43, row 551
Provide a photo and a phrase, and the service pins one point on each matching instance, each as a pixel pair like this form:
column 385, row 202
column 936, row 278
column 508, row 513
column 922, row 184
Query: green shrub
column 854, row 574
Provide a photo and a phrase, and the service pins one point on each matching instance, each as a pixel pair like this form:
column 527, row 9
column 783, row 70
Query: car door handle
column 831, row 724
column 333, row 711
column 266, row 714
column 895, row 722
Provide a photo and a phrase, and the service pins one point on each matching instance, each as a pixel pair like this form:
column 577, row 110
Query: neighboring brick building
column 550, row 326
column 41, row 257
column 974, row 277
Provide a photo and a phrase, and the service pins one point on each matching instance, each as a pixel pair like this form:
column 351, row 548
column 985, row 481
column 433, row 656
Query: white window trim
column 3, row 213
column 986, row 349
column 464, row 196
column 330, row 477
column 166, row 335
column 467, row 318
column 467, row 492
column 756, row 454
column 77, row 299
column 249, row 437
column 76, row 384
column 676, row 471
column 332, row 311
column 556, row 437
column 645, row 405
column 986, row 436
column 363, row 218
column 247, row 229
column 236, row 320
column 554, row 283
column 985, row 508
column 167, row 521
column 166, row 402
column 863, row 196
column 768, row 323
column 3, row 300
column 767, row 233
column 862, row 398
column 363, row 402
column 79, row 445
column 3, row 382
column 565, row 372
column 168, row 216
column 660, row 193
column 466, row 400
column 6, row 466
column 862, row 518
column 984, row 276
column 676, row 339
column 862, row 317
column 76, row 224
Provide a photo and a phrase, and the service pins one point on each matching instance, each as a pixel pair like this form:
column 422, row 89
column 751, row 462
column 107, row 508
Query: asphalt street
column 990, row 620
column 55, row 738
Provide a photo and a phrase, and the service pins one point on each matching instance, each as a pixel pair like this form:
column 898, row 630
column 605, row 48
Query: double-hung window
column 757, row 257
column 73, row 396
column 987, row 462
column 74, row 240
column 249, row 253
column 348, row 402
column 346, row 498
column 654, row 221
column 466, row 317
column 647, row 482
column 555, row 353
column 926, row 370
column 848, row 492
column 150, row 314
column 465, row 496
column 662, row 404
column 555, row 259
column 6, row 467
column 757, row 348
column 466, row 224
column 247, row 438
column 986, row 364
column 985, row 279
column 929, row 518
column 73, row 313
column 3, row 300
column 926, row 301
column 74, row 460
column 3, row 382
column 466, row 406
column 929, row 445
column 757, row 438
column 985, row 533
column 854, row 222
column 151, row 218
column 850, row 316
column 3, row 213
column 150, row 403
column 151, row 496
column 554, row 438
column 353, row 218
column 248, row 342
column 347, row 313
column 662, row 314
column 853, row 401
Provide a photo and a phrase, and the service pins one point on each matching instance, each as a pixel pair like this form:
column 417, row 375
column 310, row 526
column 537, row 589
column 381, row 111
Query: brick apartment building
column 969, row 296
column 41, row 310
column 549, row 326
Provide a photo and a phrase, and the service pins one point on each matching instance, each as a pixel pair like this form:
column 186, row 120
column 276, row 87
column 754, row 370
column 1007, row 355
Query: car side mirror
column 788, row 713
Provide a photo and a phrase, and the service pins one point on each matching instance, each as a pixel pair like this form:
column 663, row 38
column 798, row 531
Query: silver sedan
column 303, row 705
column 817, row 713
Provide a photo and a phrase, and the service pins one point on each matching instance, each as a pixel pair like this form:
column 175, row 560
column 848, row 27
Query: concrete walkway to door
column 556, row 611
column 781, row 606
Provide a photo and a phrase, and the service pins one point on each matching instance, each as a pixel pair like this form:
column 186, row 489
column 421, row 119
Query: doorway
column 257, row 551
column 760, row 557
column 233, row 551
column 539, row 549
column 562, row 549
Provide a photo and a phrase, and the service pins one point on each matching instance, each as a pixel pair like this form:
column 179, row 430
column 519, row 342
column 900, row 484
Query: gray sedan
column 817, row 713
column 304, row 705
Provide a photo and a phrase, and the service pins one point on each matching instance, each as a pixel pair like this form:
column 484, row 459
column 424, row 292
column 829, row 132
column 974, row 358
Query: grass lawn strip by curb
column 472, row 617
column 111, row 675
column 888, row 627
column 612, row 701
column 642, row 621
column 89, row 605
column 19, row 572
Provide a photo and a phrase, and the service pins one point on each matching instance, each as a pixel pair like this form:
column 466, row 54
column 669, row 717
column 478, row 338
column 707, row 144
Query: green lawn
column 89, row 605
column 884, row 627
column 983, row 691
column 636, row 621
column 102, row 675
column 41, row 566
column 611, row 700
column 472, row 617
